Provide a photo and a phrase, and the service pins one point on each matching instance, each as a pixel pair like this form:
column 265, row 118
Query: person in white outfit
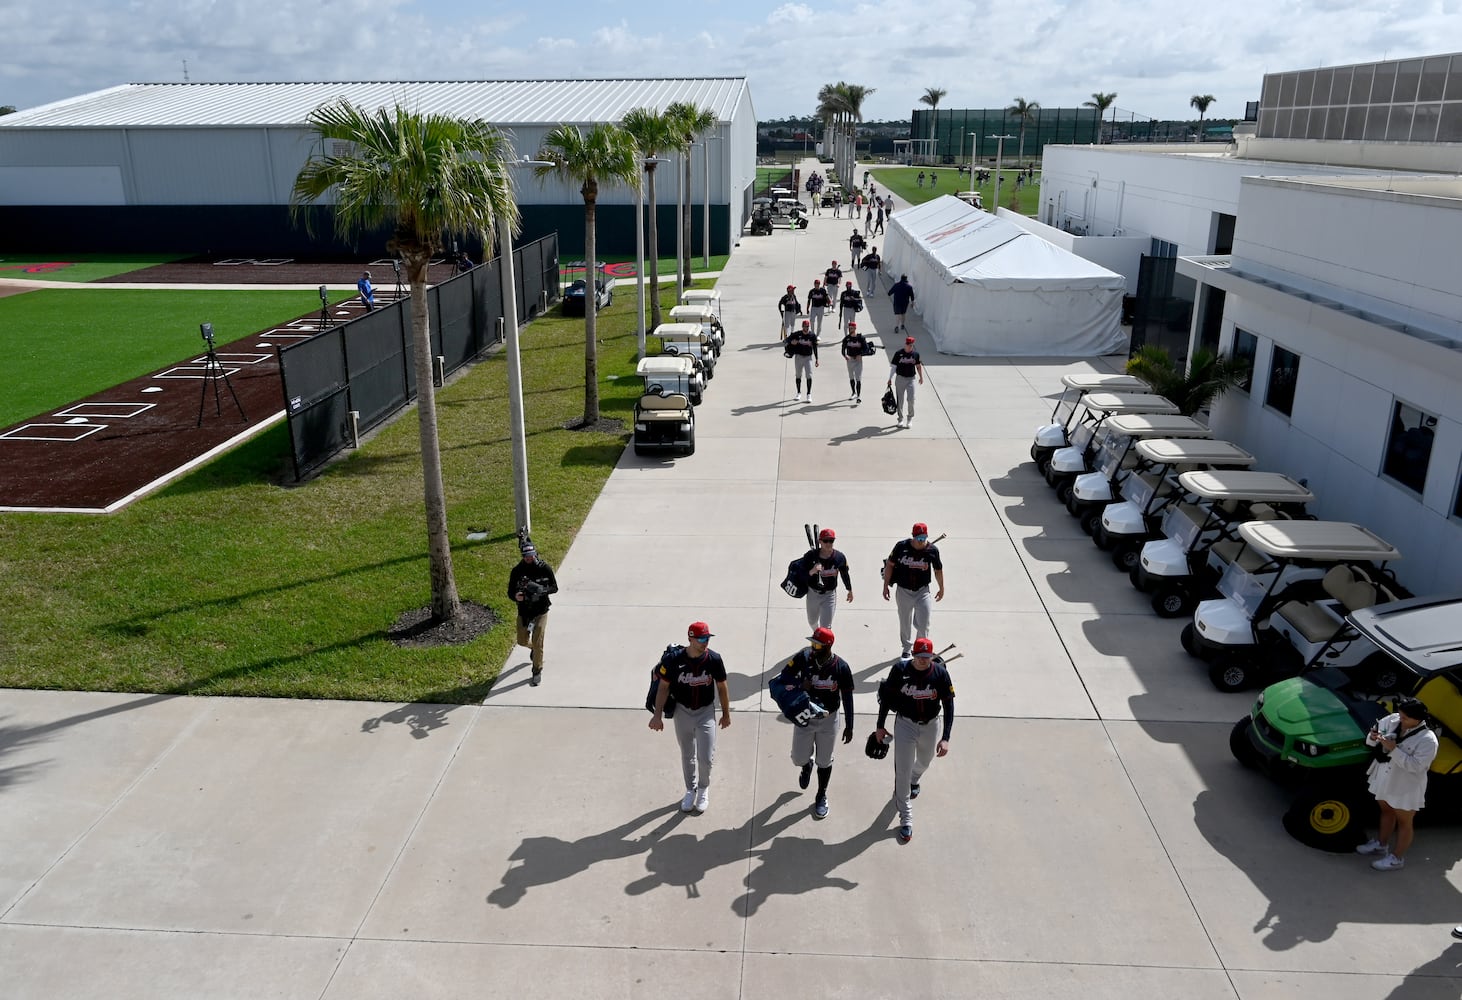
column 1405, row 749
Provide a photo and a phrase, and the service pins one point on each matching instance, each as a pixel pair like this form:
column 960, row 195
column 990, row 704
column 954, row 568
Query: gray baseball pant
column 913, row 752
column 855, row 368
column 914, row 606
column 802, row 368
column 816, row 313
column 789, row 321
column 903, row 394
column 819, row 737
column 820, row 608
column 696, row 732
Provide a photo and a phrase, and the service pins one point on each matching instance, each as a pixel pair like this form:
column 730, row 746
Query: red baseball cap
column 827, row 535
column 824, row 636
column 920, row 528
column 699, row 630
column 923, row 647
column 791, row 288
column 908, row 340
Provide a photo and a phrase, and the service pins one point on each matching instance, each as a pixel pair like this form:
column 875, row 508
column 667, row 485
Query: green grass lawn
column 77, row 267
column 61, row 345
column 769, row 177
column 904, row 182
column 226, row 583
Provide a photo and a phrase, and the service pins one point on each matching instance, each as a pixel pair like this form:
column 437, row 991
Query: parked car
column 576, row 293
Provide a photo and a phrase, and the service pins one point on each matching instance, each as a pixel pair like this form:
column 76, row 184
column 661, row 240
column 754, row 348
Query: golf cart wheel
column 1035, row 453
column 1174, row 602
column 1230, row 673
column 1063, row 491
column 1241, row 746
column 1126, row 556
column 690, row 443
column 1378, row 674
column 1100, row 537
column 695, row 398
column 1050, row 474
column 1330, row 817
column 1090, row 520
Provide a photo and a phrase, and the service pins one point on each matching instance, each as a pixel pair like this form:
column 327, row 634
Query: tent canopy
column 986, row 286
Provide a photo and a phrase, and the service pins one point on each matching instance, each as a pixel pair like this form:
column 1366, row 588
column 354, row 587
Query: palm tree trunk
column 591, row 319
column 655, row 315
column 445, row 604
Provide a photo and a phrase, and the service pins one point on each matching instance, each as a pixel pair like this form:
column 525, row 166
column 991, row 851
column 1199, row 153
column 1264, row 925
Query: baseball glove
column 875, row 747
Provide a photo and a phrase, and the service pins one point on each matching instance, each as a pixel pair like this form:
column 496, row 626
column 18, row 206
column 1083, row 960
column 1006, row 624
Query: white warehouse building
column 208, row 167
column 1321, row 247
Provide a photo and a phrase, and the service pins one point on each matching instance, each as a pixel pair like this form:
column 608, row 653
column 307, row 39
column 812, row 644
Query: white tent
column 987, row 287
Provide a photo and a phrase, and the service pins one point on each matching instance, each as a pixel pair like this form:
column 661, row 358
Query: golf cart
column 576, row 293
column 971, row 198
column 1280, row 562
column 1054, row 435
column 690, row 340
column 710, row 297
column 702, row 316
column 665, row 414
column 1125, row 525
column 1174, row 568
column 761, row 217
column 831, row 194
column 1093, row 410
column 1116, row 459
column 1309, row 731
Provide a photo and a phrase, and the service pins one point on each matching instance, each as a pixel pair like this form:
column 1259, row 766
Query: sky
column 983, row 53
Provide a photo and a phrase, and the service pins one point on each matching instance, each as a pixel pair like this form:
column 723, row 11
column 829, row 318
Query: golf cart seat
column 1310, row 618
column 666, row 407
column 1250, row 560
column 1444, row 702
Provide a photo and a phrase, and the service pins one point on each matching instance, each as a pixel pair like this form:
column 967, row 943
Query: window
column 1409, row 446
column 1284, row 371
column 1246, row 345
column 1163, row 249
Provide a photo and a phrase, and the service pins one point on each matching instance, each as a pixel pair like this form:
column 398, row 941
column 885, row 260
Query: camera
column 205, row 330
column 396, row 266
column 324, row 295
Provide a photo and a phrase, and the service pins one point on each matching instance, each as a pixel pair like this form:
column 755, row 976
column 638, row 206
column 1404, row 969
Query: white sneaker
column 1372, row 846
column 1389, row 863
column 688, row 803
column 809, row 397
column 703, row 802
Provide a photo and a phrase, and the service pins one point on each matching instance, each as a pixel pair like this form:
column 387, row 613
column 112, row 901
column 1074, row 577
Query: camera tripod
column 400, row 292
column 213, row 370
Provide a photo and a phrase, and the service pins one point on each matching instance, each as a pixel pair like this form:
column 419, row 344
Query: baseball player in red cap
column 824, row 565
column 789, row 309
column 852, row 350
column 901, row 372
column 828, row 680
column 918, row 689
column 908, row 568
column 690, row 672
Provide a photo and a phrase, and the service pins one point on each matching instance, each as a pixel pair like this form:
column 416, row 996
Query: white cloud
column 791, row 13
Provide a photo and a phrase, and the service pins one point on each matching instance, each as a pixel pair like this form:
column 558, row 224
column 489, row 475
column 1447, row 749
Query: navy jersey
column 906, row 362
column 854, row 345
column 829, row 684
column 917, row 695
column 818, row 298
column 832, row 276
column 914, row 568
column 692, row 681
column 802, row 343
column 822, row 574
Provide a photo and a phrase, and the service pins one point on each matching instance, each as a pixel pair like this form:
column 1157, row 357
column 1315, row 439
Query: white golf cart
column 691, row 340
column 702, row 316
column 1116, row 459
column 1174, row 568
column 665, row 414
column 1153, row 486
column 710, row 297
column 1056, row 434
column 1095, row 408
column 666, row 370
column 1279, row 562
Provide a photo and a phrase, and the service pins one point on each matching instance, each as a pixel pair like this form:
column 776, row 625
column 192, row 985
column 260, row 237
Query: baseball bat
column 945, row 649
column 807, row 530
column 940, row 539
column 951, row 659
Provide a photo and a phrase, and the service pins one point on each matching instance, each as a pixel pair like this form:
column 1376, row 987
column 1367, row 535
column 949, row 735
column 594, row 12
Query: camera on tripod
column 324, row 296
column 205, row 330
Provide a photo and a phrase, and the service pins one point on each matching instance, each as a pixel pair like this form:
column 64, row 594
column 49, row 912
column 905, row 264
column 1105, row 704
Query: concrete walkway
column 1087, row 837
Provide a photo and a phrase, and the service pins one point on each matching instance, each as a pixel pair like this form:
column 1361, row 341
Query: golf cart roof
column 579, row 265
column 761, row 201
column 1128, row 402
column 1155, row 425
column 1322, row 540
column 666, row 364
column 1257, row 487
column 1108, row 383
column 693, row 295
column 1192, row 451
column 698, row 312
column 1425, row 633
column 781, row 192
column 680, row 331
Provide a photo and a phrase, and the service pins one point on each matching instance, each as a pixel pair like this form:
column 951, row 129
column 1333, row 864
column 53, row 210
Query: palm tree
column 1201, row 102
column 1101, row 102
column 654, row 134
column 932, row 97
column 689, row 122
column 425, row 176
column 605, row 153
column 1207, row 377
column 1025, row 111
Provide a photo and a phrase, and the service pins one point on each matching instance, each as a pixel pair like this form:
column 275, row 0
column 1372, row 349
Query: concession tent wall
column 987, row 287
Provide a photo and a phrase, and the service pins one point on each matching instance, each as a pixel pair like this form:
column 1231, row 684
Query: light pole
column 517, row 432
column 640, row 246
column 999, row 150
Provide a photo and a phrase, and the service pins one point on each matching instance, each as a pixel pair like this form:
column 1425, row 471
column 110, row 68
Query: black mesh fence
column 348, row 379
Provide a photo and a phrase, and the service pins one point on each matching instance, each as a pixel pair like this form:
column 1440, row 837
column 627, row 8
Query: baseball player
column 802, row 346
column 853, row 350
column 901, row 372
column 529, row 583
column 832, row 275
column 902, row 294
column 856, row 243
column 789, row 309
column 850, row 304
column 908, row 568
column 818, row 301
column 824, row 565
column 827, row 679
column 689, row 672
column 917, row 689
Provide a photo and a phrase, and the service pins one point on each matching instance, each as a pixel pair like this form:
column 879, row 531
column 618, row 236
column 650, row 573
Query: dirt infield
column 100, row 453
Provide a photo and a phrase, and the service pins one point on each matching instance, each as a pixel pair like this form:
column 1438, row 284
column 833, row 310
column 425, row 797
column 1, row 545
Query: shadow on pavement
column 685, row 859
column 794, row 865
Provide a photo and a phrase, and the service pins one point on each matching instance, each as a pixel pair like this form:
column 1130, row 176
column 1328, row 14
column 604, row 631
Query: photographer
column 529, row 584
column 1404, row 749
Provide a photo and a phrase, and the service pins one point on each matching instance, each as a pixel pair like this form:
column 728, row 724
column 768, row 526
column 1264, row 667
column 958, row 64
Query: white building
column 1327, row 256
column 198, row 167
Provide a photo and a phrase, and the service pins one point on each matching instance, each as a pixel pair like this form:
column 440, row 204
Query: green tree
column 1025, row 111
column 690, row 122
column 606, row 153
column 425, row 176
column 7, row 109
column 653, row 133
column 1206, row 377
column 1201, row 102
column 1101, row 102
column 932, row 97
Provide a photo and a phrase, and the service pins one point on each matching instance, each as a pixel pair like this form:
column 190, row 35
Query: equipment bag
column 797, row 579
column 671, row 651
column 796, row 704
